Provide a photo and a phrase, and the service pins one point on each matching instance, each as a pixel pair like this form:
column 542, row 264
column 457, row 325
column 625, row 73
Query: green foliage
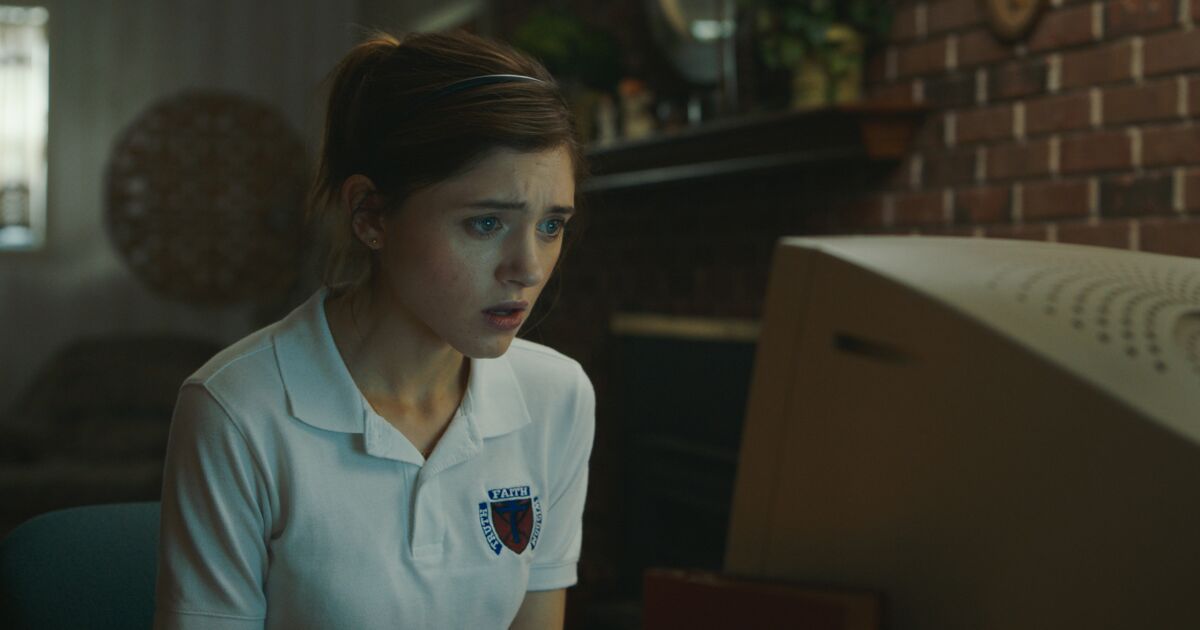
column 791, row 30
column 571, row 49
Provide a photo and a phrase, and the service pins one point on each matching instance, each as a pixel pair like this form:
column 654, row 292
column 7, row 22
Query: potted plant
column 822, row 42
column 585, row 60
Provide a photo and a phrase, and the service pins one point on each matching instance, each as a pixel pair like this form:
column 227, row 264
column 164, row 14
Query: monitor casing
column 992, row 433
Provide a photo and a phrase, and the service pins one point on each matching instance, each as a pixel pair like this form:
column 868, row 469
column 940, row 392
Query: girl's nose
column 523, row 261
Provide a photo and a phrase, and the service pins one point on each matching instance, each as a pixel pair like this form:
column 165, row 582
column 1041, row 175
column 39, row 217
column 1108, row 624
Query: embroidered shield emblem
column 513, row 522
column 511, row 518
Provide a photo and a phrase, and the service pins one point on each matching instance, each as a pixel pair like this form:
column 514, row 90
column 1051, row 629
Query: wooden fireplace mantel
column 835, row 136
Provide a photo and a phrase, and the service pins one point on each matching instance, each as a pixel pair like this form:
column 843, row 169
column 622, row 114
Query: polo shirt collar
column 321, row 392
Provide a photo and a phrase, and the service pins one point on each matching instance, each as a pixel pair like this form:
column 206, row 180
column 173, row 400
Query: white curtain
column 24, row 80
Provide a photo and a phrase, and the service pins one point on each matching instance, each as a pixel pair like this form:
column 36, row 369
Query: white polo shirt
column 289, row 503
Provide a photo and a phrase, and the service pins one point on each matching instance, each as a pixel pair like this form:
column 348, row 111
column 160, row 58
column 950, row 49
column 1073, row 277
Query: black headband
column 464, row 84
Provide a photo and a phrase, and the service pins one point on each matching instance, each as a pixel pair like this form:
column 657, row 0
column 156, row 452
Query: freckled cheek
column 549, row 265
column 447, row 275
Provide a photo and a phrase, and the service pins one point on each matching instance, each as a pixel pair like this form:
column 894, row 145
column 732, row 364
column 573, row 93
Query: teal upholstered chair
column 83, row 567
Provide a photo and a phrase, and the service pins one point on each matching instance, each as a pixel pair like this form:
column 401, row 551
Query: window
column 24, row 105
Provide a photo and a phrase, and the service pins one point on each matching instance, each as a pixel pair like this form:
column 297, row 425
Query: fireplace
column 680, row 386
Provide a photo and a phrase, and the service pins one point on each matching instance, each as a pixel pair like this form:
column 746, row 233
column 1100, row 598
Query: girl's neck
column 393, row 357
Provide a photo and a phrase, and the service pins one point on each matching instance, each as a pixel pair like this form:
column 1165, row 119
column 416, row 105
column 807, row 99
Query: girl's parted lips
column 509, row 306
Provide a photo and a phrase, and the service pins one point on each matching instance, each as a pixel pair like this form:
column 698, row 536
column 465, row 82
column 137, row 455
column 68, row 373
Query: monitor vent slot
column 1121, row 307
column 869, row 348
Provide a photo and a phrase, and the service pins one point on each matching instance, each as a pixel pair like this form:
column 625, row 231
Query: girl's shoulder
column 555, row 390
column 242, row 356
column 244, row 377
column 256, row 360
column 532, row 360
column 537, row 351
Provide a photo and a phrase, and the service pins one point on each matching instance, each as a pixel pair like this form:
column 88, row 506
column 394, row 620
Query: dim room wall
column 108, row 62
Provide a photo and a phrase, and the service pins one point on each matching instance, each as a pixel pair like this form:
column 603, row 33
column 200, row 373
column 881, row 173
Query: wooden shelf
column 757, row 143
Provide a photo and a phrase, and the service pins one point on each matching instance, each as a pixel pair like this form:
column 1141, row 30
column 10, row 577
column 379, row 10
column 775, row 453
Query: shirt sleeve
column 212, row 550
column 561, row 537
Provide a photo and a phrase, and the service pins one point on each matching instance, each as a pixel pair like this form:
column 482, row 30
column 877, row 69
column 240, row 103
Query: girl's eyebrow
column 497, row 204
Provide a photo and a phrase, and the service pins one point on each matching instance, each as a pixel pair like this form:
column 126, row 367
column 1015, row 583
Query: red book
column 700, row 599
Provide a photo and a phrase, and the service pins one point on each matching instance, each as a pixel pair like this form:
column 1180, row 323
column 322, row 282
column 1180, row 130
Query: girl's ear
column 369, row 227
column 355, row 192
column 356, row 201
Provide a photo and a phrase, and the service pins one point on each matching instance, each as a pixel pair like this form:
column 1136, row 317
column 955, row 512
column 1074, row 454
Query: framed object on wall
column 1012, row 20
column 205, row 194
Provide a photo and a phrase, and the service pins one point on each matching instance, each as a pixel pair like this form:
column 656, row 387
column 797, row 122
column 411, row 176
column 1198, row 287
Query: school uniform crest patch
column 511, row 517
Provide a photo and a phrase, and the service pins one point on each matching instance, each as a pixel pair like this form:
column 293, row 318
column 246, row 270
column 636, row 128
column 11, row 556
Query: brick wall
column 1083, row 132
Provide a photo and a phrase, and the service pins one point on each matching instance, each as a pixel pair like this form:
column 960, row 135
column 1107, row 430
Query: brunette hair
column 387, row 120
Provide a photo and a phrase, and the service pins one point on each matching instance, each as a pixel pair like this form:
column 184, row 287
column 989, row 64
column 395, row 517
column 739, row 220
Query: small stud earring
column 374, row 242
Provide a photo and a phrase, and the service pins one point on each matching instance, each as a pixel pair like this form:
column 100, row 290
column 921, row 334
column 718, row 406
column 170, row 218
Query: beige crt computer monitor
column 991, row 433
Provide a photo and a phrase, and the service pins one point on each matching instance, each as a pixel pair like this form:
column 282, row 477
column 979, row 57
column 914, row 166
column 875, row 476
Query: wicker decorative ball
column 205, row 194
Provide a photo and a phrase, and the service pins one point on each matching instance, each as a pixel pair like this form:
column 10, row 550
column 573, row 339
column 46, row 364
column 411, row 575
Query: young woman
column 390, row 455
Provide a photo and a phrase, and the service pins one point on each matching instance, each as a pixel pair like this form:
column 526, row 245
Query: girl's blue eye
column 485, row 225
column 559, row 224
